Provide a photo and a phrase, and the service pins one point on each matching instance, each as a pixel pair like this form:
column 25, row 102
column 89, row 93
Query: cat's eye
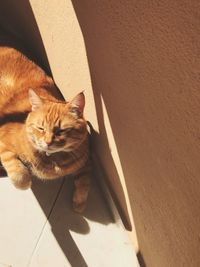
column 41, row 129
column 62, row 131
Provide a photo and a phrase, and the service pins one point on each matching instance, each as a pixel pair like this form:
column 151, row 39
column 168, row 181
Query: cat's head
column 53, row 127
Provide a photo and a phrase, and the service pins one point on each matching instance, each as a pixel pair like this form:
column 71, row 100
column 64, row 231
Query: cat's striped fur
column 40, row 134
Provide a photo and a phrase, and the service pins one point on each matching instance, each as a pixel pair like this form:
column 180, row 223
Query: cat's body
column 40, row 134
column 17, row 76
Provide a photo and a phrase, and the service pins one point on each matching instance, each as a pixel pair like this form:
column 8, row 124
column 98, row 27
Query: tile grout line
column 47, row 219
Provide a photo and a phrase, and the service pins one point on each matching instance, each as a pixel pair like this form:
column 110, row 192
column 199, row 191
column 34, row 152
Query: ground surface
column 39, row 229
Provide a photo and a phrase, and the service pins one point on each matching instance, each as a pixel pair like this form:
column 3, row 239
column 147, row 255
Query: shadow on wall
column 112, row 86
column 20, row 24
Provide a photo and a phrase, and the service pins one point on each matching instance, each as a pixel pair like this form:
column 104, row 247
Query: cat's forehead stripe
column 53, row 115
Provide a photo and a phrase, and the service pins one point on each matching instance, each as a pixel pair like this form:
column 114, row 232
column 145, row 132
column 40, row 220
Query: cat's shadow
column 55, row 199
column 64, row 220
column 60, row 193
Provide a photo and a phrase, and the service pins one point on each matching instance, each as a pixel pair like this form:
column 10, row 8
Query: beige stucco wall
column 145, row 104
column 144, row 57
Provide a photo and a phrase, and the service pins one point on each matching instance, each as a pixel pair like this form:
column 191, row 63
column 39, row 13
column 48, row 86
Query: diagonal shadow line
column 119, row 197
column 141, row 259
column 94, row 144
column 60, row 229
column 62, row 219
column 47, row 218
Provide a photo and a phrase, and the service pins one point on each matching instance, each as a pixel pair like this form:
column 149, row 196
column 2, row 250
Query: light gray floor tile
column 92, row 240
column 22, row 221
column 39, row 229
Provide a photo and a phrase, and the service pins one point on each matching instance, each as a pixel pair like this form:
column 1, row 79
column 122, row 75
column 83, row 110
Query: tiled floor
column 39, row 229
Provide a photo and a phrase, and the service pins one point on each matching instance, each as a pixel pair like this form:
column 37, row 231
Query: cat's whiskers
column 72, row 153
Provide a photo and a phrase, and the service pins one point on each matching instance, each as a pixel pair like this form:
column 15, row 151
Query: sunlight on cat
column 7, row 80
column 41, row 134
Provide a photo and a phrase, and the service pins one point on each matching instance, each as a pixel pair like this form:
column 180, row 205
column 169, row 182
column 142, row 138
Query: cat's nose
column 48, row 142
column 48, row 139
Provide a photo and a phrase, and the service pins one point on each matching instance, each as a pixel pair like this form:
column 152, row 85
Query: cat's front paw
column 23, row 182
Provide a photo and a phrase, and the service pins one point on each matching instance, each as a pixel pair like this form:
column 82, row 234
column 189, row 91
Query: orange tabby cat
column 40, row 134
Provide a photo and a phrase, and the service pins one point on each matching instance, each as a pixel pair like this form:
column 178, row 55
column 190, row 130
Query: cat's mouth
column 53, row 148
column 44, row 148
column 49, row 150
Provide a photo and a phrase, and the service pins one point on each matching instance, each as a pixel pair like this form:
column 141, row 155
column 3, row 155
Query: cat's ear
column 77, row 104
column 35, row 100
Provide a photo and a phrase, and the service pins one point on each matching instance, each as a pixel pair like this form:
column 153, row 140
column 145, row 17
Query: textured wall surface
column 144, row 60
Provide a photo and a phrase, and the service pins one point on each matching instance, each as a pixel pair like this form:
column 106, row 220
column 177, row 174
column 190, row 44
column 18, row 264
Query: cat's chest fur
column 55, row 165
